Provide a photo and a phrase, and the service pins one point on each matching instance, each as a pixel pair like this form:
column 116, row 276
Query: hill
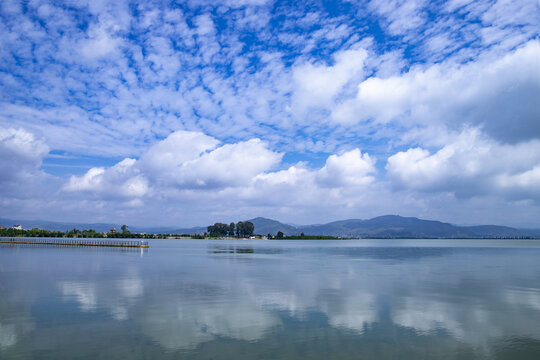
column 265, row 226
column 388, row 226
column 392, row 226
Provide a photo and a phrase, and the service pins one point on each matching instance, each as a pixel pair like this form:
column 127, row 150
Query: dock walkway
column 75, row 242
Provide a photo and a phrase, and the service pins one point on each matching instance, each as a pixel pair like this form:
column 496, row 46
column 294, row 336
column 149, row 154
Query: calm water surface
column 194, row 299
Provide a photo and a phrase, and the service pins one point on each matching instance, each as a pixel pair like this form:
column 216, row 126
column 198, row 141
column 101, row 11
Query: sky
column 191, row 112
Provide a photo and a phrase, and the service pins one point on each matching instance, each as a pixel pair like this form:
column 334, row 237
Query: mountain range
column 388, row 226
column 393, row 226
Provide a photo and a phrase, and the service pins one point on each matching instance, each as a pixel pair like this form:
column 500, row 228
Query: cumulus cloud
column 229, row 165
column 179, row 147
column 21, row 154
column 184, row 160
column 193, row 167
column 120, row 180
column 500, row 95
column 470, row 165
column 350, row 168
column 344, row 180
column 195, row 170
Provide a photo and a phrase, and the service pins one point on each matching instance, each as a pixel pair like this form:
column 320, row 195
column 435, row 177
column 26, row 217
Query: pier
column 75, row 242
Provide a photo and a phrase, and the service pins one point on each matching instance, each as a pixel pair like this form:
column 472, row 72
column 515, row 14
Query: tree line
column 241, row 229
column 302, row 236
column 76, row 233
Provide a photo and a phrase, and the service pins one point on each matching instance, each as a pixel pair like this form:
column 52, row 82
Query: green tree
column 218, row 230
column 73, row 233
column 249, row 228
column 239, row 228
column 244, row 229
column 279, row 235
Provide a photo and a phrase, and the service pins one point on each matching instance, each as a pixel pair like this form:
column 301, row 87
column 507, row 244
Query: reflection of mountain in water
column 395, row 253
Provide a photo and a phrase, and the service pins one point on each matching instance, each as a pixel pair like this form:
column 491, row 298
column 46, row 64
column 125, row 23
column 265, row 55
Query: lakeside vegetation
column 242, row 229
column 382, row 227
column 308, row 237
column 89, row 233
column 213, row 233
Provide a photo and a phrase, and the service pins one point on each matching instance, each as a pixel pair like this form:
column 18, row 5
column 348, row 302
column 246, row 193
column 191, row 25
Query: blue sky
column 187, row 113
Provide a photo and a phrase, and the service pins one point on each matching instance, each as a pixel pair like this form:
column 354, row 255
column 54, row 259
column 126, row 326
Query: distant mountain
column 392, row 226
column 265, row 226
column 167, row 230
column 192, row 230
column 388, row 226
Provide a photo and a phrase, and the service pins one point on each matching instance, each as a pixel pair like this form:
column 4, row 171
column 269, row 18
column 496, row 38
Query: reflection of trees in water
column 242, row 249
column 217, row 249
column 386, row 252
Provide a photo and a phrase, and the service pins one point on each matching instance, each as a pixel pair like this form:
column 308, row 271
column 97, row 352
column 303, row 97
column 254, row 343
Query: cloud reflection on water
column 250, row 295
column 184, row 297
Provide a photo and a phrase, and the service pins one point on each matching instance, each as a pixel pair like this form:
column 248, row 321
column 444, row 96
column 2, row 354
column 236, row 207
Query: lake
column 200, row 299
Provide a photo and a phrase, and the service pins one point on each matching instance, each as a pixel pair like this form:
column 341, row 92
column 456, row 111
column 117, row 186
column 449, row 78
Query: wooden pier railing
column 76, row 242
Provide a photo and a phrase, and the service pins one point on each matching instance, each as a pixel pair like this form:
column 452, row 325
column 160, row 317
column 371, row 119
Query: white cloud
column 401, row 16
column 21, row 154
column 504, row 13
column 348, row 169
column 99, row 44
column 179, row 147
column 189, row 167
column 205, row 25
column 318, row 85
column 243, row 177
column 525, row 185
column 121, row 180
column 229, row 165
column 471, row 165
column 181, row 161
column 499, row 95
